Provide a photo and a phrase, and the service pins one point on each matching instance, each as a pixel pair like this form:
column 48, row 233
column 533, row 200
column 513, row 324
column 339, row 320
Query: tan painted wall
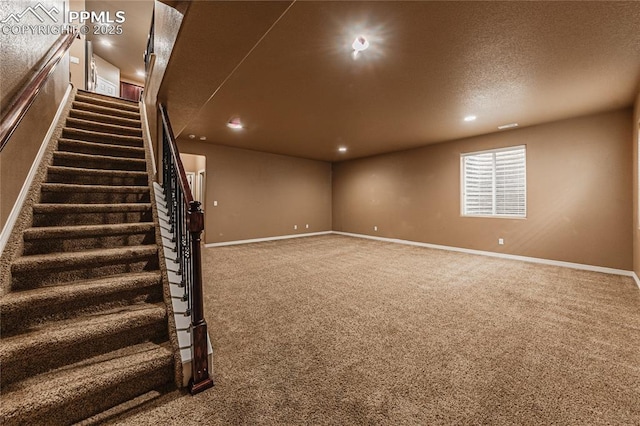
column 193, row 164
column 167, row 24
column 189, row 162
column 201, row 163
column 19, row 55
column 262, row 195
column 579, row 182
column 636, row 187
column 78, row 71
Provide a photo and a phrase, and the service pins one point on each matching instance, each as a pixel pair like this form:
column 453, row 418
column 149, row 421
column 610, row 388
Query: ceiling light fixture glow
column 342, row 149
column 106, row 43
column 141, row 73
column 235, row 124
column 470, row 118
column 508, row 126
column 359, row 44
column 203, row 138
column 192, row 136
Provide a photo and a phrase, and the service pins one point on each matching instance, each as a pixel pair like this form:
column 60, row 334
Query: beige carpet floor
column 338, row 330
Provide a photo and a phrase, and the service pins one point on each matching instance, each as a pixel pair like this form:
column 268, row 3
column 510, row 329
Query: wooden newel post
column 200, row 379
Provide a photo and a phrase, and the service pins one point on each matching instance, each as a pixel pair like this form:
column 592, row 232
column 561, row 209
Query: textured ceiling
column 299, row 91
column 218, row 35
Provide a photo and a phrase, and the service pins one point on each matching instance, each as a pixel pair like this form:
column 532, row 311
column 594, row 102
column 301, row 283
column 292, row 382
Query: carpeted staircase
column 84, row 327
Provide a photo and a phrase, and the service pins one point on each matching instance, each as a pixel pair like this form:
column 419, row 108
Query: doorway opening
column 195, row 167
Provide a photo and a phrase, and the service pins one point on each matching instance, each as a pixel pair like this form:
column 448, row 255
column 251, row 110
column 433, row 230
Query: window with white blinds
column 494, row 183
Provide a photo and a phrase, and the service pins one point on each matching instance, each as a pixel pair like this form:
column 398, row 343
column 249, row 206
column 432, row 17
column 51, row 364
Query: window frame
column 463, row 187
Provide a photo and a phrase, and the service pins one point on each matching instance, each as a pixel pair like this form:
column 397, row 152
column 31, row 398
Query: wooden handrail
column 150, row 42
column 187, row 223
column 23, row 100
column 182, row 176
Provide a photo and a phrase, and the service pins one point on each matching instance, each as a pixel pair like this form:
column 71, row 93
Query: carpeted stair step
column 52, row 239
column 101, row 148
column 84, row 324
column 57, row 343
column 90, row 214
column 47, row 232
column 96, row 126
column 73, row 193
column 22, row 309
column 89, row 107
column 105, row 118
column 105, row 162
column 82, row 175
column 82, row 92
column 96, row 136
column 108, row 101
column 83, row 389
column 59, row 268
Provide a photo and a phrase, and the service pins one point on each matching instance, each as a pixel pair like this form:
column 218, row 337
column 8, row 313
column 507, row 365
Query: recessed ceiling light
column 470, row 118
column 106, row 43
column 141, row 73
column 203, row 138
column 192, row 136
column 235, row 124
column 359, row 44
column 342, row 149
column 508, row 126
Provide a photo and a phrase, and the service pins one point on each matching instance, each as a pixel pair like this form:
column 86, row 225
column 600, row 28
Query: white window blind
column 494, row 183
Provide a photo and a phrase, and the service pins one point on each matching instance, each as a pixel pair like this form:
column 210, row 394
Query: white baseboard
column 571, row 265
column 500, row 255
column 260, row 240
column 636, row 279
column 145, row 123
column 17, row 206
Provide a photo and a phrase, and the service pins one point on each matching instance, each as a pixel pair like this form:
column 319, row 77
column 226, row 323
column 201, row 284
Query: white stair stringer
column 182, row 321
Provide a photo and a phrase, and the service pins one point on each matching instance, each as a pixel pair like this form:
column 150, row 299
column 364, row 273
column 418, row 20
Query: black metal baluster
column 187, row 224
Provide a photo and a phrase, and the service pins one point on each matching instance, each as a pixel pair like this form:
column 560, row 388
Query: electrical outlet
column 215, row 204
column 375, row 228
column 307, row 226
column 295, row 226
column 501, row 241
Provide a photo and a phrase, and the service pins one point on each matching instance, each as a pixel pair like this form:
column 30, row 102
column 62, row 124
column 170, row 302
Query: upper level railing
column 187, row 223
column 150, row 43
column 22, row 101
